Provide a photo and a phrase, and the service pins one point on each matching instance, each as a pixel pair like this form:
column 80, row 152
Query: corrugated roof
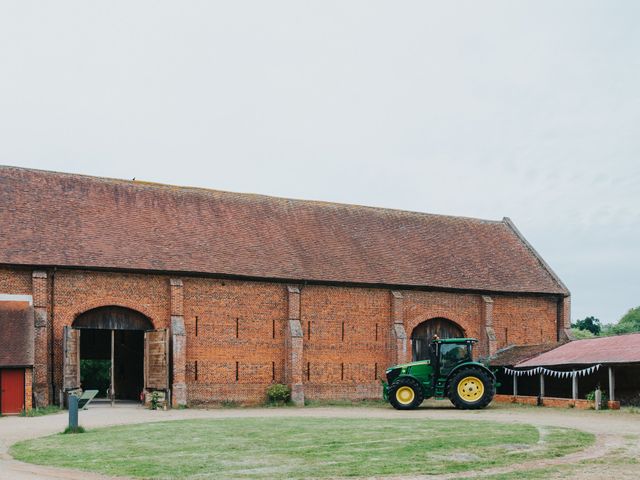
column 515, row 354
column 618, row 349
column 16, row 334
column 79, row 221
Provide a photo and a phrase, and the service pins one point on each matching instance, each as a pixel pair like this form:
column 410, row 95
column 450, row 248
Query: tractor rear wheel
column 406, row 394
column 471, row 389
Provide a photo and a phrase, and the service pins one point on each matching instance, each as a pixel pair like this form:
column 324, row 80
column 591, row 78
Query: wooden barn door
column 156, row 360
column 71, row 362
column 422, row 335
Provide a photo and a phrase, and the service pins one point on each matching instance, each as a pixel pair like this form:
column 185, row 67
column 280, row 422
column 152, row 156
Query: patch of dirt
column 460, row 457
column 516, row 447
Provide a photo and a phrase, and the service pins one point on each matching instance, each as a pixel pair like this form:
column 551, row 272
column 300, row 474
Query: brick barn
column 212, row 296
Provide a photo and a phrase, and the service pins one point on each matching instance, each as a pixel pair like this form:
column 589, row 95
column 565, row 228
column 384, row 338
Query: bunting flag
column 553, row 373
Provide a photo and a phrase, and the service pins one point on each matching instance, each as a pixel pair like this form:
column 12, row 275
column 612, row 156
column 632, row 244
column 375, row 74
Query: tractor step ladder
column 441, row 383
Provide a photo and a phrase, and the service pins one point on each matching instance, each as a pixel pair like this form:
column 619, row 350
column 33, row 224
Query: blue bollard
column 73, row 413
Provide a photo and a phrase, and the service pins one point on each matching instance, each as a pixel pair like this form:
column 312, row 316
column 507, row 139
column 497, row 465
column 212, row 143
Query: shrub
column 155, row 400
column 581, row 334
column 278, row 393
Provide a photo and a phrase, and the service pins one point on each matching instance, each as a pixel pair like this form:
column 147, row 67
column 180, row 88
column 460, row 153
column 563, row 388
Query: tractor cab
column 446, row 354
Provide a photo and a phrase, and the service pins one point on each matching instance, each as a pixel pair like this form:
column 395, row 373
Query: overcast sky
column 529, row 110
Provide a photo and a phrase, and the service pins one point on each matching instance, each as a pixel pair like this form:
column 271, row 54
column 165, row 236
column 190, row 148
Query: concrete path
column 609, row 427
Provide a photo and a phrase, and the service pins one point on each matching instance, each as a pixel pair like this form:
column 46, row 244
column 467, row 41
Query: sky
column 527, row 109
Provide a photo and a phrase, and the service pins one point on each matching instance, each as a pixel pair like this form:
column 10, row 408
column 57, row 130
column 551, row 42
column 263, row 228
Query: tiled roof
column 618, row 349
column 80, row 221
column 515, row 354
column 16, row 334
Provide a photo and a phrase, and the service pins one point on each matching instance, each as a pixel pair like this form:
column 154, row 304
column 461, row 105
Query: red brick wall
column 517, row 320
column 239, row 322
column 243, row 323
column 15, row 282
column 463, row 309
column 552, row 402
column 344, row 366
column 28, row 391
column 524, row 320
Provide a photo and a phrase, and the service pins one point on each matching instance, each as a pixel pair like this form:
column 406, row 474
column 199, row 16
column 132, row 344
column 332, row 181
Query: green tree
column 581, row 334
column 591, row 324
column 95, row 375
column 629, row 323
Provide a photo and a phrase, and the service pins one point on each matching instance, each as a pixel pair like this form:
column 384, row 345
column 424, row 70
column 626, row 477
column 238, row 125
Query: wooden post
column 144, row 370
column 541, row 385
column 612, row 384
column 574, row 386
column 515, row 385
column 113, row 389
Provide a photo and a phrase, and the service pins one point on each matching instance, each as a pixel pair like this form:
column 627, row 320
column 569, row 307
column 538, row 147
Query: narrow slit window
column 196, row 326
column 195, row 371
column 309, row 329
column 343, row 331
column 342, row 371
column 237, row 328
column 375, row 371
column 273, row 328
column 273, row 370
column 506, row 335
column 308, row 370
column 376, row 332
column 237, row 371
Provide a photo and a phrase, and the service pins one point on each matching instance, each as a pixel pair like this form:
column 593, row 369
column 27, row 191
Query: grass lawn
column 299, row 447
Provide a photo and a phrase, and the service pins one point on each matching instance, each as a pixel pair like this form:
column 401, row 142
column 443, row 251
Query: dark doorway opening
column 112, row 351
column 128, row 362
column 422, row 335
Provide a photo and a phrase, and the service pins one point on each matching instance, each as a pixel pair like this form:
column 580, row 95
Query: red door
column 11, row 390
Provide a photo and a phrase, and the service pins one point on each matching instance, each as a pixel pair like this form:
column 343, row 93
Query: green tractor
column 449, row 373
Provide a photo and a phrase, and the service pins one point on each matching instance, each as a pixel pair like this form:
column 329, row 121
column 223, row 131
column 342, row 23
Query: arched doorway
column 111, row 351
column 423, row 334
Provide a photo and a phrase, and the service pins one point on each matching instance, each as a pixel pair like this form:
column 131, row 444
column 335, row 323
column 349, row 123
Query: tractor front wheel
column 471, row 389
column 406, row 394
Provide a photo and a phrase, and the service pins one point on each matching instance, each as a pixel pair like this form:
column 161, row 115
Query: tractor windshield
column 451, row 354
